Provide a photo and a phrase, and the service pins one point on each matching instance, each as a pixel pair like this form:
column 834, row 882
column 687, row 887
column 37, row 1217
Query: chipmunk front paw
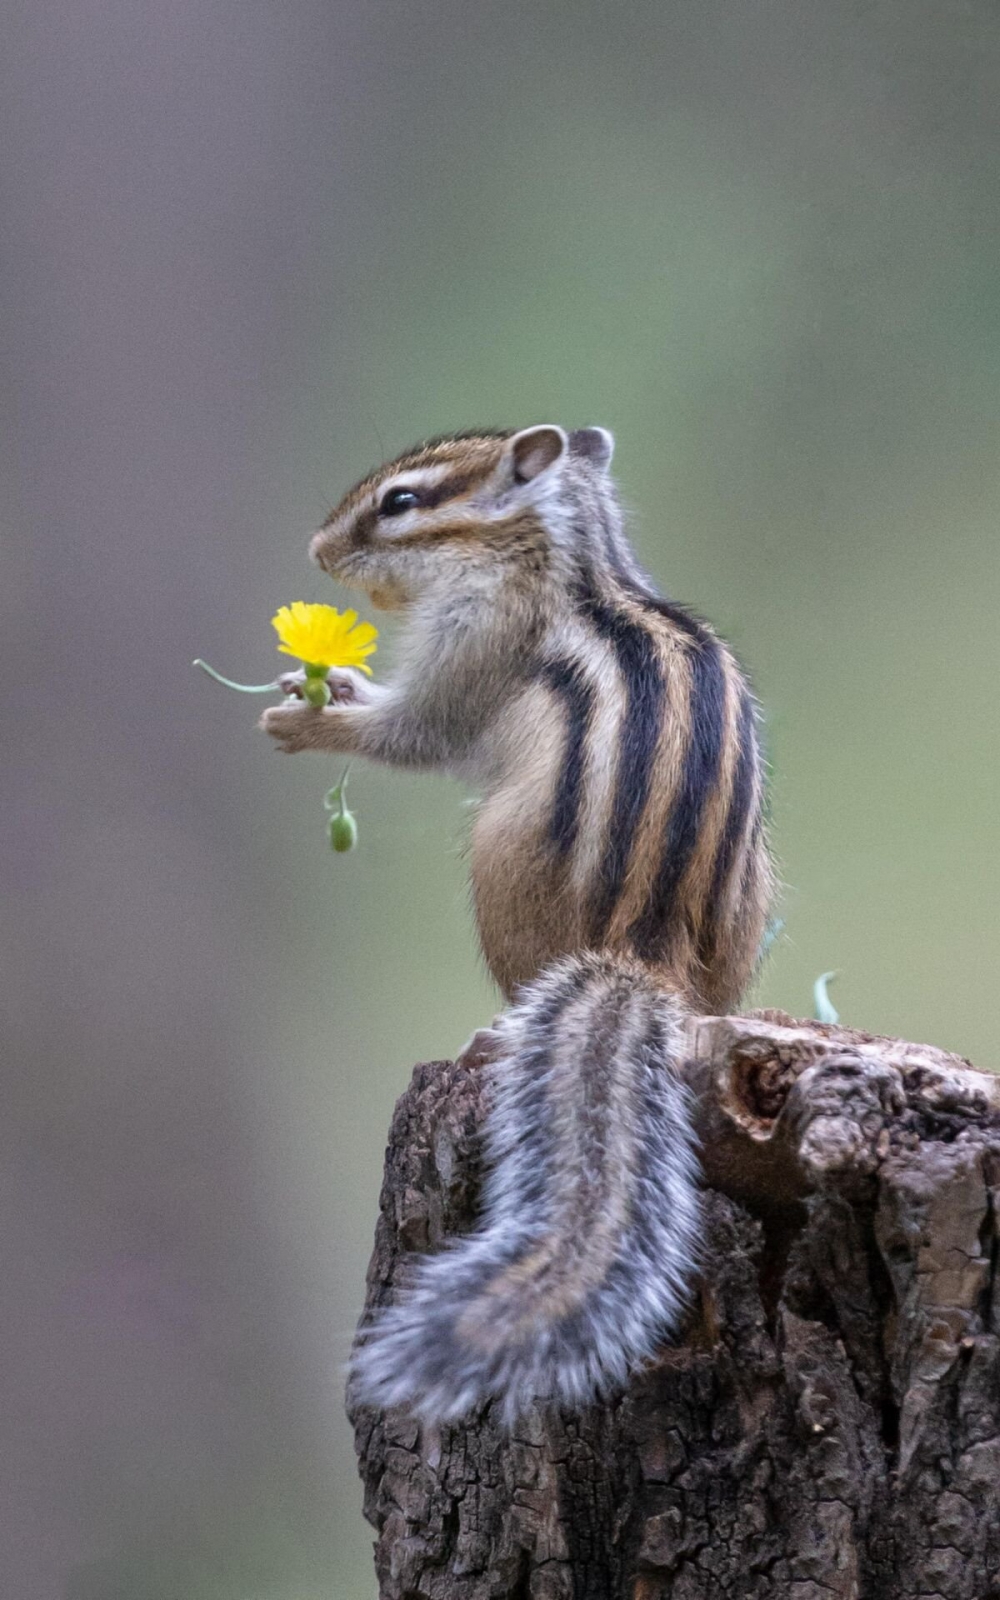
column 296, row 726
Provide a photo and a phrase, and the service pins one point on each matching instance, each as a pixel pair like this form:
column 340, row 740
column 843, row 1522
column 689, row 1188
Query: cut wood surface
column 825, row 1426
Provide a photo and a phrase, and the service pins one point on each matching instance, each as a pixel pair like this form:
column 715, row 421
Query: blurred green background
column 250, row 250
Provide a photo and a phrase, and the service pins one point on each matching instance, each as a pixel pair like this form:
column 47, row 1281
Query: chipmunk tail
column 590, row 1219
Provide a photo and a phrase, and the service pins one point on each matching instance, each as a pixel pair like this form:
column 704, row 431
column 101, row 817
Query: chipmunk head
column 473, row 499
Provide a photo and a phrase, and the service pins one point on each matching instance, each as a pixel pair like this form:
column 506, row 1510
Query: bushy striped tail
column 590, row 1212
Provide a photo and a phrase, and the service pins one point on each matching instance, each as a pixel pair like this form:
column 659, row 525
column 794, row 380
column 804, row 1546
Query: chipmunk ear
column 534, row 450
column 596, row 444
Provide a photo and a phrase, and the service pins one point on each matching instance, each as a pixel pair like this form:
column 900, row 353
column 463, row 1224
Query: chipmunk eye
column 396, row 501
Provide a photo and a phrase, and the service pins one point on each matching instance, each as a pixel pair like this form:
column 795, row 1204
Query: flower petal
column 324, row 636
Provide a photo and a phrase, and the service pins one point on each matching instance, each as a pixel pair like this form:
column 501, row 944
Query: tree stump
column 826, row 1426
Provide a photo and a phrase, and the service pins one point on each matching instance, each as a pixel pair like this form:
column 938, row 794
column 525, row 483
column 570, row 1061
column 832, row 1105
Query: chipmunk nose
column 317, row 546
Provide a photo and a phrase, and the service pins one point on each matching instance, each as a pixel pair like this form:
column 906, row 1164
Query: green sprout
column 823, row 1008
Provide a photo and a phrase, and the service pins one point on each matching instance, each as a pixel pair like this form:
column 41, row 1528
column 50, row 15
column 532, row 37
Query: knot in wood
column 839, row 1108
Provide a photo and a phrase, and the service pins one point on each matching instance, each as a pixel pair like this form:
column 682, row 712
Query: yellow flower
column 322, row 636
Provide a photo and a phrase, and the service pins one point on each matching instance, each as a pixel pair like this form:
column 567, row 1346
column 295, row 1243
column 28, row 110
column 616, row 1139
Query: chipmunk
column 620, row 875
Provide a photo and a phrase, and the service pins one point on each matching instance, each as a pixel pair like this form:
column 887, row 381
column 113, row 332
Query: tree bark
column 826, row 1426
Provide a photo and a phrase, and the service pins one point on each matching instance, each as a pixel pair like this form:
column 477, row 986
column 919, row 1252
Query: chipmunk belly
column 528, row 909
column 525, row 911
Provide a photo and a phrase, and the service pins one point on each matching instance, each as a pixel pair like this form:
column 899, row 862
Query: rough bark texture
column 827, row 1425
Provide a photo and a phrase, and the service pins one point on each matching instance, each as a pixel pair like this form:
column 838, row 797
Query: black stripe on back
column 707, row 715
column 645, row 688
column 678, row 616
column 577, row 695
column 708, row 701
column 740, row 801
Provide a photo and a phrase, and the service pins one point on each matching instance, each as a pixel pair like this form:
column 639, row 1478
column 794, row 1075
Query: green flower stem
column 335, row 797
column 315, row 690
column 244, row 688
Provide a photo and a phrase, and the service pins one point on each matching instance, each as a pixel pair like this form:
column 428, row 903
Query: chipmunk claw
column 484, row 1046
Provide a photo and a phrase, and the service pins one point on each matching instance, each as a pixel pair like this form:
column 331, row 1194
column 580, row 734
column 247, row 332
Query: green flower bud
column 343, row 832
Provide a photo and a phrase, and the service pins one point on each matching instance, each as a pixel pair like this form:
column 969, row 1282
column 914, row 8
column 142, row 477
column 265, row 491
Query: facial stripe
column 516, row 535
column 460, row 483
column 640, row 666
column 577, row 695
column 701, row 766
column 741, row 800
column 456, row 530
column 435, row 494
column 435, row 486
column 362, row 528
column 474, row 454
